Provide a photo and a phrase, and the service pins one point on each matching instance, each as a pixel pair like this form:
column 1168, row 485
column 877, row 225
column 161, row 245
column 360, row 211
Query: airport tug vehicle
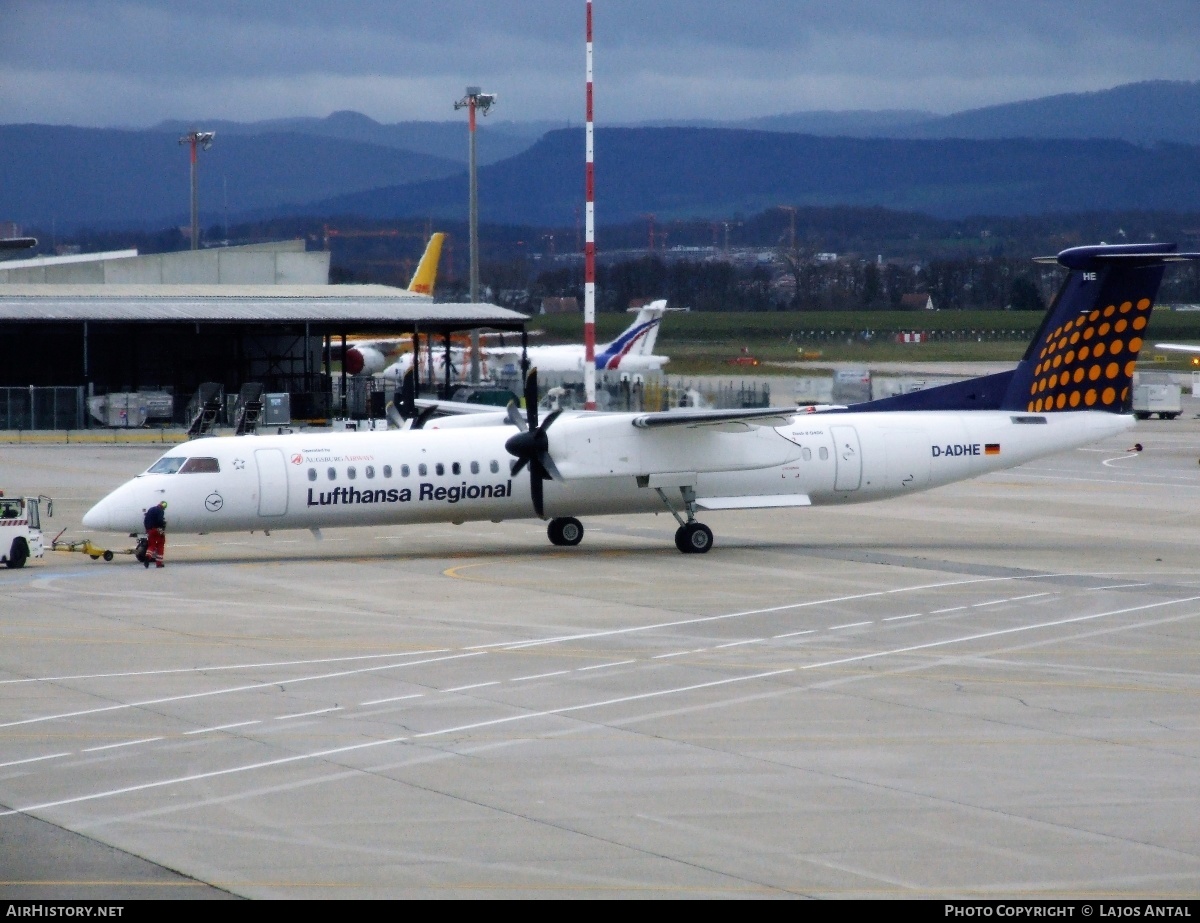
column 21, row 528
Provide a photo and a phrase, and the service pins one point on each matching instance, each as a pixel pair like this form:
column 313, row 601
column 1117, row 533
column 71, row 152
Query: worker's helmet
column 163, row 504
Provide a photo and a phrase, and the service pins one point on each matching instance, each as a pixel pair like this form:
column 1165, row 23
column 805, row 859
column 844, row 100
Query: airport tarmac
column 989, row 690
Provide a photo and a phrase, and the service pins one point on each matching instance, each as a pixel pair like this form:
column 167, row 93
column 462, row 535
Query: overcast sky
column 136, row 62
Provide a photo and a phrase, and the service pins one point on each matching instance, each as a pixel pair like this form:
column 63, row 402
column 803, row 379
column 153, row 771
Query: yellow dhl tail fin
column 426, row 274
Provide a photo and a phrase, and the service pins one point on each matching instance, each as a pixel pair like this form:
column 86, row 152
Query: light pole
column 204, row 139
column 475, row 99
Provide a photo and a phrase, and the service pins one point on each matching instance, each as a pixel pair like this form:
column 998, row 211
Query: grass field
column 703, row 343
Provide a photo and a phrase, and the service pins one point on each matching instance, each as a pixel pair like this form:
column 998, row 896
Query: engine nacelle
column 364, row 360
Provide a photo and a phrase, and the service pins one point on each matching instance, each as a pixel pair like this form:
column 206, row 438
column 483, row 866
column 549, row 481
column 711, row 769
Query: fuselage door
column 272, row 482
column 849, row 457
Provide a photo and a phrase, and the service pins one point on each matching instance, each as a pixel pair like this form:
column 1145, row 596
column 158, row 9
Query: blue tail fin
column 1085, row 351
column 637, row 338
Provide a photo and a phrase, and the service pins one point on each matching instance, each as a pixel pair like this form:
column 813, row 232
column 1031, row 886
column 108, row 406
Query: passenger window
column 808, row 454
column 405, row 471
column 352, row 472
column 441, row 469
column 824, row 454
column 201, row 466
column 370, row 471
column 495, row 466
column 422, row 469
column 387, row 471
column 332, row 472
column 166, row 466
column 456, row 468
column 474, row 467
column 312, row 474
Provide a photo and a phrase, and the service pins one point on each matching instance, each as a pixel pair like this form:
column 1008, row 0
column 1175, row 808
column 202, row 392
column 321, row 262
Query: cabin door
column 272, row 482
column 849, row 457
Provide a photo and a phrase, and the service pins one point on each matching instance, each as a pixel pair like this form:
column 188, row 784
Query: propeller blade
column 531, row 398
column 514, row 417
column 423, row 417
column 531, row 446
column 535, row 492
column 408, row 395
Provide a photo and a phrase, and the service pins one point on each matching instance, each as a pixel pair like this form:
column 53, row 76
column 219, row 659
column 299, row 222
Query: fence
column 41, row 408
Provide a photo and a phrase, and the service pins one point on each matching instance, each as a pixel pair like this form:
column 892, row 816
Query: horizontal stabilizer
column 762, row 502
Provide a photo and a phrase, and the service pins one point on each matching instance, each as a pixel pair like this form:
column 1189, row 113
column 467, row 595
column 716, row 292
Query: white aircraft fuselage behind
column 318, row 480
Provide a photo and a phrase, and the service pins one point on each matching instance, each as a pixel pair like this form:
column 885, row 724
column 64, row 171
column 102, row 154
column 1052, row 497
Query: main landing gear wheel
column 565, row 530
column 693, row 538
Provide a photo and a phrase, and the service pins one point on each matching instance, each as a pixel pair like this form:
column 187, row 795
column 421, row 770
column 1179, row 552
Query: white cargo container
column 1162, row 399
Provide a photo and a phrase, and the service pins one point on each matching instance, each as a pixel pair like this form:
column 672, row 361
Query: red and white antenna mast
column 589, row 247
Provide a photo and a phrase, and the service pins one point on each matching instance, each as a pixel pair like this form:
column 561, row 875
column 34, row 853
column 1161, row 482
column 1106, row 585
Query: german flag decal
column 991, row 448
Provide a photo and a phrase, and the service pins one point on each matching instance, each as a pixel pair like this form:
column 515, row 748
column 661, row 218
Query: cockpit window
column 200, row 466
column 166, row 465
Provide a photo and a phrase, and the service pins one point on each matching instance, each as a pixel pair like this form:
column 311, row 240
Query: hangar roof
column 330, row 306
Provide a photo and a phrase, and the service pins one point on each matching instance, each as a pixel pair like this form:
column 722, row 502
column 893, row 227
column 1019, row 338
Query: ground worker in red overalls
column 156, row 534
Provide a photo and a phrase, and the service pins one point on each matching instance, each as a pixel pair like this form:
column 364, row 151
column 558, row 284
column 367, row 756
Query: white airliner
column 631, row 351
column 1071, row 388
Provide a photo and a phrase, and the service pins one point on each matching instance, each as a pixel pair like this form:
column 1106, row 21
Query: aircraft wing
column 455, row 408
column 770, row 416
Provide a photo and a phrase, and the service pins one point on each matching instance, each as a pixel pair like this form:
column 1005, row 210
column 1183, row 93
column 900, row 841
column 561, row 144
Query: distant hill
column 1074, row 152
column 687, row 172
column 83, row 176
column 495, row 140
column 1141, row 113
column 849, row 123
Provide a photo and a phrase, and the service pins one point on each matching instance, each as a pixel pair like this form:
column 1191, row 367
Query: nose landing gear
column 565, row 530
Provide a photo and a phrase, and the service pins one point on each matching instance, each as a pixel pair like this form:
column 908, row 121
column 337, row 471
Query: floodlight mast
column 204, row 139
column 475, row 99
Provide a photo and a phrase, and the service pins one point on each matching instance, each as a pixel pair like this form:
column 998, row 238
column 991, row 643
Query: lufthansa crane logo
column 213, row 502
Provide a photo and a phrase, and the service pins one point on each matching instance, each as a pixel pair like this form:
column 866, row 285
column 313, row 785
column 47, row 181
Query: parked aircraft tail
column 1084, row 354
column 426, row 274
column 637, row 339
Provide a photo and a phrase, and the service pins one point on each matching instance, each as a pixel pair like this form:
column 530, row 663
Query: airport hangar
column 122, row 322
